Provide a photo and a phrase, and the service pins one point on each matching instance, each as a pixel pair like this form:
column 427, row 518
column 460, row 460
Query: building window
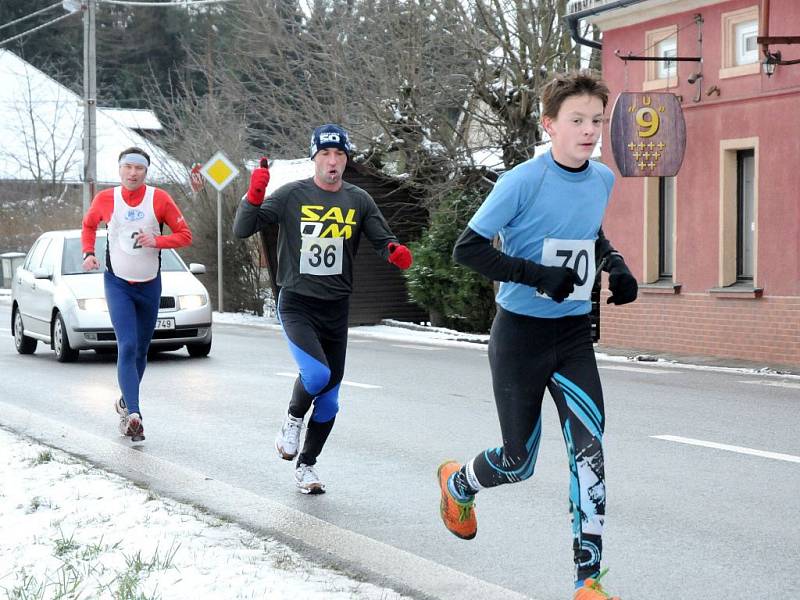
column 667, row 49
column 746, row 46
column 745, row 214
column 740, row 53
column 738, row 258
column 659, row 230
column 666, row 226
column 661, row 43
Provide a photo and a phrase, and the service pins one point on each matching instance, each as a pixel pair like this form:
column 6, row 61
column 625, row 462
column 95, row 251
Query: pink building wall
column 695, row 321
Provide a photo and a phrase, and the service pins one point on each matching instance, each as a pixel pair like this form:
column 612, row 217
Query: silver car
column 53, row 300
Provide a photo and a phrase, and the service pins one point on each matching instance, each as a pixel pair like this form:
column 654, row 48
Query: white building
column 41, row 128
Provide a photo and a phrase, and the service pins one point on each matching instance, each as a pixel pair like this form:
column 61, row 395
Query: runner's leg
column 122, row 310
column 578, row 395
column 148, row 298
column 326, row 403
column 521, row 360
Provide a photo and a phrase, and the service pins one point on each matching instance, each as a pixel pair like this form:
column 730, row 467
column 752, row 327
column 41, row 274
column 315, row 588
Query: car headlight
column 191, row 301
column 93, row 304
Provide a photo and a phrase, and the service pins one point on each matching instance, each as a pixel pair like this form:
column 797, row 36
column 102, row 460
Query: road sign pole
column 219, row 251
column 219, row 171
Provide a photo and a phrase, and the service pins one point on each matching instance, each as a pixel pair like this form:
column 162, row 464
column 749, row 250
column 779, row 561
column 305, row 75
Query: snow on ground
column 70, row 530
column 388, row 329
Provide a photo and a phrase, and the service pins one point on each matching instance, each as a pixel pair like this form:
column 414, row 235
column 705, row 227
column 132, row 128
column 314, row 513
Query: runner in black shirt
column 321, row 220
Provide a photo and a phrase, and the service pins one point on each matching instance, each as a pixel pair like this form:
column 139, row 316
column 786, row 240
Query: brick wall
column 758, row 330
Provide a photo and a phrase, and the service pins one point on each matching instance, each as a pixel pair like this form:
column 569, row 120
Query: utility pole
column 89, row 103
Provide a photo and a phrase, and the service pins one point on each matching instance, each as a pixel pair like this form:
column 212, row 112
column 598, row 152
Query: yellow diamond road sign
column 219, row 171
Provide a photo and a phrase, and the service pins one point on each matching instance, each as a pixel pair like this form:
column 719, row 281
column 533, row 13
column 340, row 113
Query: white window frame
column 657, row 74
column 737, row 26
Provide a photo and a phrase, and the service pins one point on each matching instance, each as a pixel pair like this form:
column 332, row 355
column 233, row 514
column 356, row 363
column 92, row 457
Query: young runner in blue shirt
column 548, row 213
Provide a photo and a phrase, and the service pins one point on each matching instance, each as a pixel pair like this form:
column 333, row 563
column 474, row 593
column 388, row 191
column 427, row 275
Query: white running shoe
column 122, row 411
column 307, row 480
column 131, row 426
column 288, row 439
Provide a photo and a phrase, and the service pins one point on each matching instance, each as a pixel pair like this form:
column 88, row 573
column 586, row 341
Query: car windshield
column 72, row 260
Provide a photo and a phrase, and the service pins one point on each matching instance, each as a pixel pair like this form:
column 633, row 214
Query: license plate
column 165, row 323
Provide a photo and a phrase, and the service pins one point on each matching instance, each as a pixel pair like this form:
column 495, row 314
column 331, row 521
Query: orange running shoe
column 592, row 590
column 458, row 517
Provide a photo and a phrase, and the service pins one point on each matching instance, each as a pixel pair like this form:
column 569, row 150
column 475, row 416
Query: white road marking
column 786, row 384
column 729, row 448
column 413, row 347
column 633, row 369
column 5, row 330
column 366, row 386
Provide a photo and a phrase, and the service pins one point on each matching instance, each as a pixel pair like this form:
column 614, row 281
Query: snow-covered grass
column 69, row 530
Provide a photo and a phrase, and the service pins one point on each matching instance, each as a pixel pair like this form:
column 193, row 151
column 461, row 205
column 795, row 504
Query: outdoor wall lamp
column 771, row 62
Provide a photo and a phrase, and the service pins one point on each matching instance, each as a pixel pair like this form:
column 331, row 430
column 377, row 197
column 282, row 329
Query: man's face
column 575, row 130
column 132, row 176
column 329, row 165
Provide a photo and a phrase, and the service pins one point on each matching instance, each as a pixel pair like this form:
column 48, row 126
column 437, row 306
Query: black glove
column 556, row 282
column 621, row 282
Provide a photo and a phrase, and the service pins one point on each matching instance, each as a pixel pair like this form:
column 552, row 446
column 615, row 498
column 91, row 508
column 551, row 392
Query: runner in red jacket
column 135, row 214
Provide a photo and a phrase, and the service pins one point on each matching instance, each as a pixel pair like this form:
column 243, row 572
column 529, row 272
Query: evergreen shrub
column 455, row 296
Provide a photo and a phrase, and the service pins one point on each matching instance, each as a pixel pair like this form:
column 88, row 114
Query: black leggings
column 527, row 354
column 317, row 334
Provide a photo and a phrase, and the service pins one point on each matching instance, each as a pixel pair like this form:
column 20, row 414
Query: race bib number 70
column 321, row 256
column 578, row 255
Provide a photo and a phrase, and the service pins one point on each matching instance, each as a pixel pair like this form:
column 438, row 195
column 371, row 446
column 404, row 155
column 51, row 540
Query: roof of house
column 135, row 118
column 41, row 125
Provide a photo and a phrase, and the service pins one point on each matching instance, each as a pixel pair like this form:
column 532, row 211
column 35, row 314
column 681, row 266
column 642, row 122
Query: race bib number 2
column 578, row 255
column 128, row 241
column 321, row 256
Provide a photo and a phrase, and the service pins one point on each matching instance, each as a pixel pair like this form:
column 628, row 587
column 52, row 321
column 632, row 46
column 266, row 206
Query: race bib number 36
column 578, row 255
column 321, row 256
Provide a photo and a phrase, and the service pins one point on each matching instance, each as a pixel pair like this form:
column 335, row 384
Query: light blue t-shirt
column 551, row 216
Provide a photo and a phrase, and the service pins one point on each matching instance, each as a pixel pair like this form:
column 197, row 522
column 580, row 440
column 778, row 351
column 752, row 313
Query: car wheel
column 64, row 352
column 198, row 350
column 23, row 343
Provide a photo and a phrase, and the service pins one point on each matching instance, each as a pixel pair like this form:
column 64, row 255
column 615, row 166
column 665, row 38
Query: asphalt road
column 685, row 518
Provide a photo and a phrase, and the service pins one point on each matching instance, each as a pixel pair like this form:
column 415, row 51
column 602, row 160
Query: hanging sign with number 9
column 648, row 134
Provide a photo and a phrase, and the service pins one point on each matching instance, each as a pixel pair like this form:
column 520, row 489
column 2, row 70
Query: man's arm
column 100, row 210
column 253, row 213
column 168, row 212
column 250, row 219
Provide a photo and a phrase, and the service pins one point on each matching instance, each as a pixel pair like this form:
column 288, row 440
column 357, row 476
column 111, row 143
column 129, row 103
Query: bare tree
column 423, row 84
column 428, row 88
column 199, row 126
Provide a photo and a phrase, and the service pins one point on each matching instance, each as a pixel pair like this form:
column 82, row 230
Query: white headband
column 134, row 159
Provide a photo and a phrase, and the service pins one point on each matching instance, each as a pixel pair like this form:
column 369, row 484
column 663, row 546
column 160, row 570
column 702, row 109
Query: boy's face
column 576, row 129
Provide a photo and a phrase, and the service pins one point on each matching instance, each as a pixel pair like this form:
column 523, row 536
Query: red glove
column 258, row 183
column 400, row 255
